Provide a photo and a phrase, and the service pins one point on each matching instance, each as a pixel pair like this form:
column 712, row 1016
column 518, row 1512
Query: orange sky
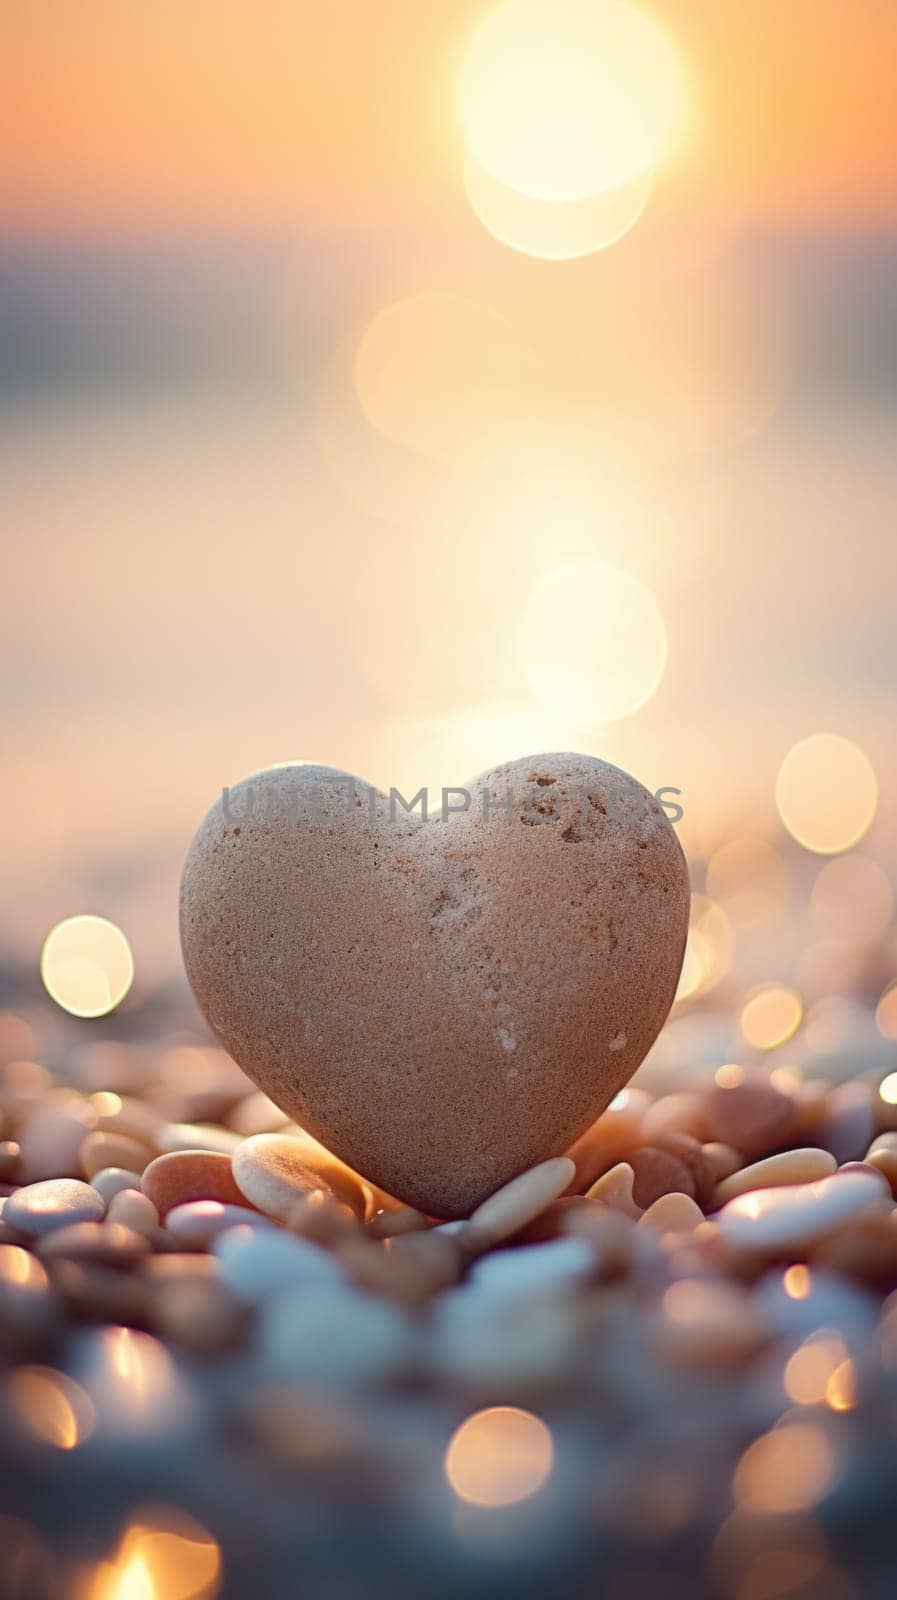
column 155, row 113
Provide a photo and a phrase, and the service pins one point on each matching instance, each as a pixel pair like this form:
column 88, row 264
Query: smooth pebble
column 673, row 1213
column 260, row 1263
column 53, row 1203
column 197, row 1222
column 792, row 1218
column 274, row 1170
column 519, row 1202
column 784, row 1170
column 184, row 1175
column 111, row 1181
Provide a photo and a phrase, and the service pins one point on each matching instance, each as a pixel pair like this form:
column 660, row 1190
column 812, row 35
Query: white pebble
column 258, row 1263
column 786, row 1219
column 537, row 1270
column 336, row 1336
column 520, row 1201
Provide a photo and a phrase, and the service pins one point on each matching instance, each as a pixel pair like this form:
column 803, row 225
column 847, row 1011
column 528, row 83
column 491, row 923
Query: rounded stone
column 472, row 992
column 53, row 1203
column 274, row 1170
column 184, row 1175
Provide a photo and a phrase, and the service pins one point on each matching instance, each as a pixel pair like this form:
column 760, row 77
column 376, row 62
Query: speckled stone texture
column 442, row 1003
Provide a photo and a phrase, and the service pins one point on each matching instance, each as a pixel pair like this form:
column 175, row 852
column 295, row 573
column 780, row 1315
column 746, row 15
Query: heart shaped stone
column 443, row 1003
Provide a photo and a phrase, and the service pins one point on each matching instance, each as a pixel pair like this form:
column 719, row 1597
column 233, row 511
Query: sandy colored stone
column 518, row 1202
column 673, row 1213
column 321, row 1218
column 52, row 1203
column 111, row 1181
column 196, row 1223
column 682, row 1112
column 131, row 1208
column 184, row 1175
column 722, row 1159
column 401, row 1219
column 614, row 1189
column 443, row 1004
column 793, row 1218
column 786, row 1168
column 273, row 1171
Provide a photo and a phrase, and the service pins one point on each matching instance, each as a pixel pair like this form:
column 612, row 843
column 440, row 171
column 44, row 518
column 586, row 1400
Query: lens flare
column 87, row 966
column 562, row 101
column 592, row 643
column 770, row 1016
column 499, row 1456
column 827, row 793
column 555, row 230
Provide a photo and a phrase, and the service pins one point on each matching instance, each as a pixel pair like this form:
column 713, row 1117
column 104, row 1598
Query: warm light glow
column 749, row 879
column 852, row 899
column 797, row 1282
column 564, row 100
column 729, row 1075
column 827, row 793
column 708, row 949
column 555, row 230
column 812, row 1368
column 770, row 1016
column 886, row 1012
column 888, row 1089
column 440, row 373
column 789, row 1469
column 50, row 1406
column 86, row 966
column 134, row 1383
column 499, row 1456
column 841, row 1389
column 592, row 642
column 163, row 1555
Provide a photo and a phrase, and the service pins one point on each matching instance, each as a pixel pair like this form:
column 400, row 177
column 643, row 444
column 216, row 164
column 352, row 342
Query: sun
column 562, row 99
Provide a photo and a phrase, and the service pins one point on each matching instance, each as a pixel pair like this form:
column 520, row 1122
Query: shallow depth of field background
column 301, row 461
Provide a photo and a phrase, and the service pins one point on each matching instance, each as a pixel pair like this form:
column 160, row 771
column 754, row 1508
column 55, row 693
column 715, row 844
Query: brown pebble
column 753, row 1117
column 884, row 1160
column 184, row 1175
column 437, row 1258
column 200, row 1315
column 131, row 1208
column 273, row 1170
column 52, row 1203
column 101, row 1150
column 691, row 1153
column 321, row 1218
column 28, row 1312
column 409, row 1269
column 111, row 1181
column 107, row 1243
column 675, row 1113
column 50, row 1141
column 177, row 1137
column 554, row 1221
column 657, row 1172
column 182, row 1264
column 101, row 1294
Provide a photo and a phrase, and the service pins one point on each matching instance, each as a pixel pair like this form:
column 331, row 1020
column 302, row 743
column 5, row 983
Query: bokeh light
column 770, row 1015
column 440, row 373
column 812, row 1368
column 555, row 230
column 499, row 1456
column 164, row 1554
column 87, row 966
column 749, row 879
column 852, row 899
column 561, row 101
column 50, row 1407
column 708, row 948
column 827, row 793
column 789, row 1469
column 797, row 1281
column 592, row 642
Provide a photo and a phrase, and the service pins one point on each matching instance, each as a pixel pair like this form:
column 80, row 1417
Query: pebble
column 518, row 1202
column 849, row 1122
column 53, row 1203
column 131, row 1208
column 110, row 1181
column 176, row 1137
column 657, row 1171
column 107, row 1243
column 673, row 1213
column 184, row 1175
column 882, row 1154
column 274, row 1170
column 537, row 1271
column 790, row 1219
column 608, row 1139
column 50, row 1141
column 866, row 1249
column 410, row 1269
column 336, row 1336
column 95, row 1293
column 28, row 1312
column 103, row 1150
column 127, row 1117
column 261, row 1263
column 723, row 1160
column 752, row 1117
column 196, row 1223
column 317, row 1216
column 615, row 1189
column 401, row 1219
column 674, row 1113
column 783, row 1170
column 202, row 1316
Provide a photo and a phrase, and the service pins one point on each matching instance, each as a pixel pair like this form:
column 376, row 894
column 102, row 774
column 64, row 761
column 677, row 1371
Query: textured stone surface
column 443, row 1004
